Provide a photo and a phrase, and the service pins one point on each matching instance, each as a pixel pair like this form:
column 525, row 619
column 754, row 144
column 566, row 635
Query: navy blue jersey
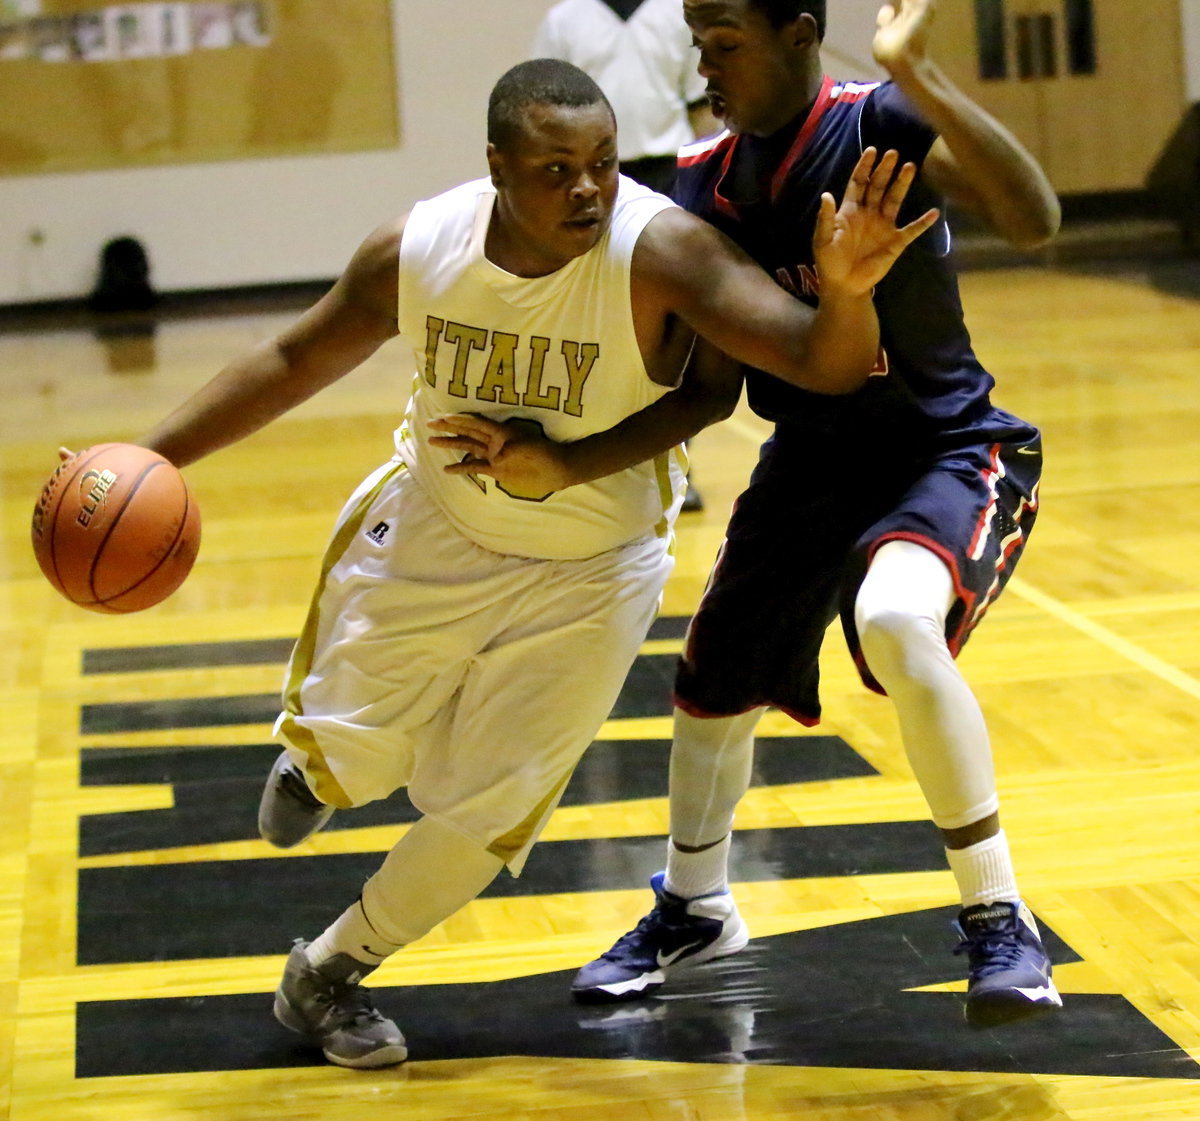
column 928, row 390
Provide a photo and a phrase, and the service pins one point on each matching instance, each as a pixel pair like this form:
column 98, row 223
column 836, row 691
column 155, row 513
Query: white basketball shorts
column 475, row 679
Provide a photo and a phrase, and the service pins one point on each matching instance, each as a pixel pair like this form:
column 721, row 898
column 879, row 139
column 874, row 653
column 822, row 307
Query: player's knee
column 899, row 643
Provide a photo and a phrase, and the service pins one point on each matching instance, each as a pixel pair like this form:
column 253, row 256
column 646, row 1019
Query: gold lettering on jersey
column 535, row 396
column 466, row 339
column 433, row 332
column 500, row 378
column 580, row 358
column 499, row 382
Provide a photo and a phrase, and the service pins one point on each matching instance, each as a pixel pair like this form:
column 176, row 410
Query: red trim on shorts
column 864, row 672
column 808, row 720
column 991, row 476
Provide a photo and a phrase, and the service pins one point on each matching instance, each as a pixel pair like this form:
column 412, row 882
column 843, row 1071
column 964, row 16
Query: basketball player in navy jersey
column 903, row 507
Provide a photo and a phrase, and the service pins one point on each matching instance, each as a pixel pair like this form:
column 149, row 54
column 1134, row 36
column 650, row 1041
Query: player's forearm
column 1004, row 184
column 668, row 422
column 839, row 348
column 245, row 396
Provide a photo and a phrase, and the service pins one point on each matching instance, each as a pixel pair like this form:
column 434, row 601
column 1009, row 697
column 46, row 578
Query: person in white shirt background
column 639, row 52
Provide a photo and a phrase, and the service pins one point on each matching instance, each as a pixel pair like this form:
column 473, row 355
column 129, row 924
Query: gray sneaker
column 326, row 1004
column 289, row 812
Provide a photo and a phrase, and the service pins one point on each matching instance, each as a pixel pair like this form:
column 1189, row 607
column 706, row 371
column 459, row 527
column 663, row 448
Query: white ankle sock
column 431, row 872
column 692, row 874
column 984, row 872
column 350, row 933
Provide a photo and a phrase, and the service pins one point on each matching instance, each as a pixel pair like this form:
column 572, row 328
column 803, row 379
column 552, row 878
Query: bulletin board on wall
column 87, row 85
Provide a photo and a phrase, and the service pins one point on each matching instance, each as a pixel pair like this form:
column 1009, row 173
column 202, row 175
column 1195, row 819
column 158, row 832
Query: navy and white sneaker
column 676, row 933
column 1009, row 975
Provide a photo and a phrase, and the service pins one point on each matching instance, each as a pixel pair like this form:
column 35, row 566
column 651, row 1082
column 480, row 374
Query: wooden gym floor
column 143, row 925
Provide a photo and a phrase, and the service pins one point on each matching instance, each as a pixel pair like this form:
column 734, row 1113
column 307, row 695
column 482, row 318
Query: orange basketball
column 115, row 529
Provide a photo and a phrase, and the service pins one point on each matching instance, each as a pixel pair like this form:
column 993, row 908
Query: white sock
column 984, row 872
column 692, row 874
column 350, row 933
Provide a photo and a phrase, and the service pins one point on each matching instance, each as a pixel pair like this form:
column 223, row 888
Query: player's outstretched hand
column 856, row 243
column 516, row 453
column 902, row 33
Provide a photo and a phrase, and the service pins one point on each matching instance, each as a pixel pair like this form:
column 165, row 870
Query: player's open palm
column 856, row 243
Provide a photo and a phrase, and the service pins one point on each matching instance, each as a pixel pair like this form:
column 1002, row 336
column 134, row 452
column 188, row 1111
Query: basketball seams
column 113, row 523
column 91, row 536
column 168, row 556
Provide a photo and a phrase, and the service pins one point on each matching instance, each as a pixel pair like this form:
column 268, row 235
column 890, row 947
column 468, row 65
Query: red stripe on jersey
column 820, row 107
column 830, row 95
column 702, row 150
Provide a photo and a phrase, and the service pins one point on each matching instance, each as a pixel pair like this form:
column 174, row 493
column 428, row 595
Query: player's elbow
column 836, row 381
column 1034, row 227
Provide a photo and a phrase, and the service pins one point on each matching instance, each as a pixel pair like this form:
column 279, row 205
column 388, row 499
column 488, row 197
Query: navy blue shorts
column 798, row 545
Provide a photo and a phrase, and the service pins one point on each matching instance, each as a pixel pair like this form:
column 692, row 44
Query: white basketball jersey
column 559, row 350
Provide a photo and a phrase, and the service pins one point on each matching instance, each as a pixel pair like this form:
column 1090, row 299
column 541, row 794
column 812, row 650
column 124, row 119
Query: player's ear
column 804, row 31
column 494, row 160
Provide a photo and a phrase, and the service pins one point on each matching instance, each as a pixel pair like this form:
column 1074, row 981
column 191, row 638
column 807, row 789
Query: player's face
column 755, row 72
column 556, row 185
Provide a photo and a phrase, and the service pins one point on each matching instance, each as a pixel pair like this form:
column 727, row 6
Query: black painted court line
column 216, row 789
column 647, row 692
column 188, row 712
column 252, row 652
column 247, row 908
column 192, row 655
column 831, row 997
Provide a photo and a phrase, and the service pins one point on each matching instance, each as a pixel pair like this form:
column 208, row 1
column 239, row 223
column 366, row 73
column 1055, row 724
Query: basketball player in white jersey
column 466, row 641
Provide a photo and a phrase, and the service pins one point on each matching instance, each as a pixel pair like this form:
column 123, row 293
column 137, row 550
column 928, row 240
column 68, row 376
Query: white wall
column 1190, row 15
column 286, row 219
column 850, row 26
column 294, row 219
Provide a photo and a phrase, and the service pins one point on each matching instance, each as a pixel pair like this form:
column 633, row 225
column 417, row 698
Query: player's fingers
column 64, row 454
column 460, row 443
column 826, row 217
column 881, row 178
column 470, row 467
column 897, row 191
column 860, row 177
column 918, row 226
column 466, row 423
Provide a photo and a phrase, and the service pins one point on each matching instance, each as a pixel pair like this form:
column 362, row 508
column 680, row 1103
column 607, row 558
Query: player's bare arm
column 686, row 267
column 854, row 245
column 526, row 462
column 348, row 324
column 975, row 161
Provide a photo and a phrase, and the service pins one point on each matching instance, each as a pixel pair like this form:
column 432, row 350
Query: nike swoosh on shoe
column 1042, row 992
column 665, row 960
